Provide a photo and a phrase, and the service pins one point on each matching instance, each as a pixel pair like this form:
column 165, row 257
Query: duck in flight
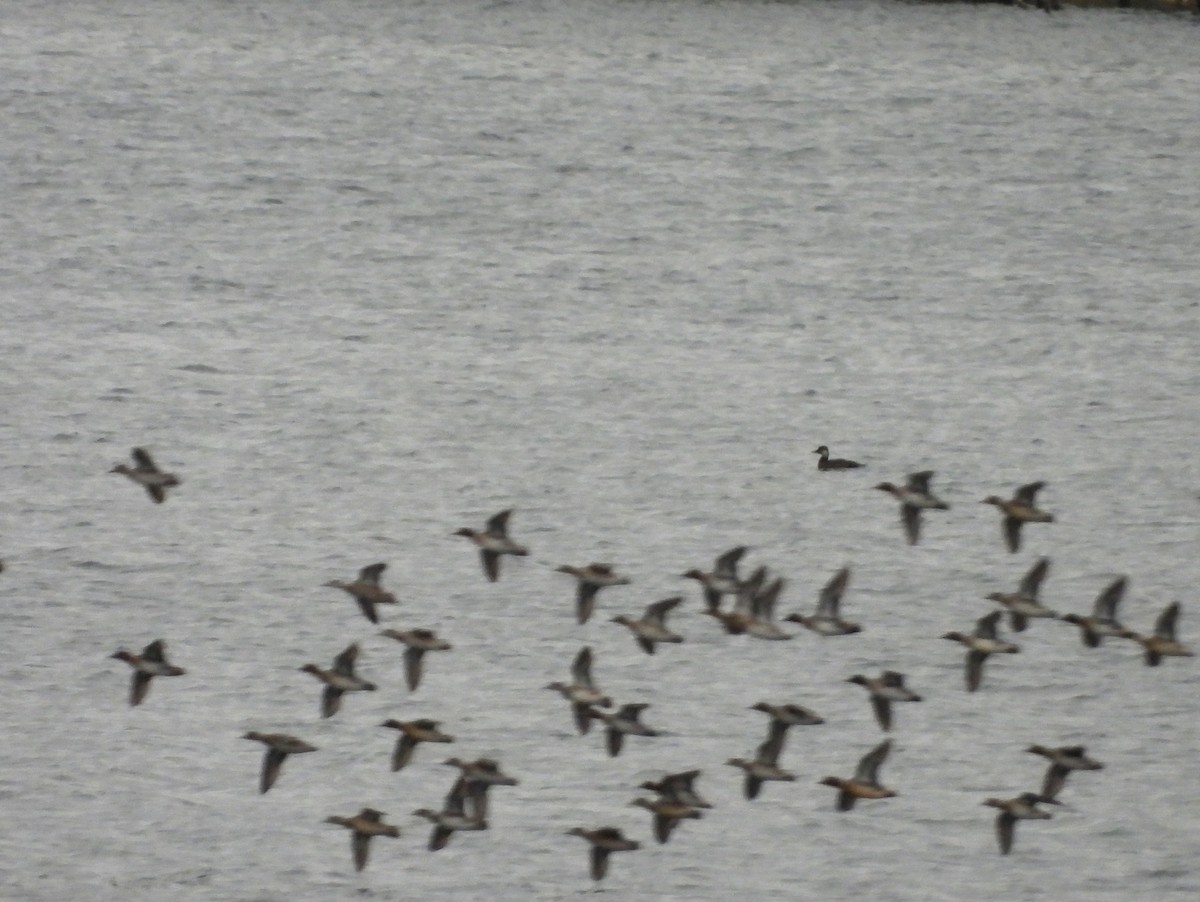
column 652, row 627
column 591, row 579
column 279, row 746
column 865, row 782
column 1163, row 642
column 722, row 580
column 1023, row 604
column 1023, row 807
column 493, row 542
column 363, row 826
column 366, row 590
column 150, row 663
column 1019, row 510
column 914, row 496
column 147, row 475
column 981, row 644
column 827, row 620
column 339, row 679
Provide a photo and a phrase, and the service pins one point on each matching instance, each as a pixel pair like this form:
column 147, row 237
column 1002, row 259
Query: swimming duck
column 887, row 688
column 1063, row 760
column 1103, row 621
column 827, row 621
column 582, row 692
column 1024, row 603
column 451, row 818
column 1023, row 807
column 147, row 475
column 150, row 663
column 412, row 733
column 652, row 628
column 865, row 783
column 736, row 620
column 480, row 776
column 604, row 842
column 914, row 496
column 679, row 788
column 762, row 617
column 418, row 641
column 626, row 721
column 1163, row 643
column 723, row 580
column 764, row 765
column 1019, row 510
column 824, row 463
column 493, row 542
column 980, row 644
column 365, row 824
column 667, row 815
column 592, row 579
column 366, row 590
column 279, row 746
column 341, row 678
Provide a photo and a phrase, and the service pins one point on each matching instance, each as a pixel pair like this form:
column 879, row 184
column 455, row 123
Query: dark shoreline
column 1171, row 6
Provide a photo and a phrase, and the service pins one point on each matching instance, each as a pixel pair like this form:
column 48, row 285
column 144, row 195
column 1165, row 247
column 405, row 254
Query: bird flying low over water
column 363, row 826
column 980, row 644
column 1023, row 604
column 582, row 692
column 1163, row 643
column 279, row 746
column 827, row 621
column 887, row 688
column 1103, row 619
column 626, row 721
column 150, row 663
column 147, row 475
column 1063, row 760
column 914, row 496
column 762, row 623
column 865, row 782
column 604, row 842
column 366, row 590
column 667, row 815
column 722, row 580
column 652, row 627
column 741, row 614
column 339, row 679
column 1019, row 510
column 479, row 776
column 678, row 787
column 412, row 734
column 451, row 818
column 591, row 579
column 493, row 541
column 1023, row 807
column 418, row 642
column 764, row 765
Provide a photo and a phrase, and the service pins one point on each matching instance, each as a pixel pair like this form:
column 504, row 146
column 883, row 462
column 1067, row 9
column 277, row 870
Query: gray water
column 364, row 273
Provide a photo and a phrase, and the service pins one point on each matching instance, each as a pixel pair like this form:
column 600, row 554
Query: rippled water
column 366, row 273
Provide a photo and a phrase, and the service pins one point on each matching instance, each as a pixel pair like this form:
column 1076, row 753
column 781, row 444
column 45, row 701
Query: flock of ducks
column 751, row 612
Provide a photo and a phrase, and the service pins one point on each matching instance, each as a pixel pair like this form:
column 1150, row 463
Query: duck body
column 865, row 782
column 147, row 475
column 279, row 746
column 824, row 462
column 152, row 662
column 1019, row 510
column 493, row 543
column 364, row 825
